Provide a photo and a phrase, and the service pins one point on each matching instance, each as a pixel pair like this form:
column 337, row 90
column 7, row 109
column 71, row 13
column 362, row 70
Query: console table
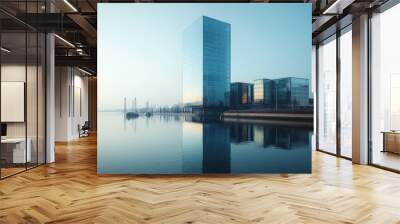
column 13, row 150
column 391, row 141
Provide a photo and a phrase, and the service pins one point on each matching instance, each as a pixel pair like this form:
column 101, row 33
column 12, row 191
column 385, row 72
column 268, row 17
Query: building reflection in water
column 241, row 133
column 162, row 118
column 206, row 144
column 193, row 145
column 131, row 120
column 170, row 117
column 216, row 148
column 281, row 137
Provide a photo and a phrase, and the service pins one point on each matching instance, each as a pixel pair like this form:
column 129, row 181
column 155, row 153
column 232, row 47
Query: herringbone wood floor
column 70, row 191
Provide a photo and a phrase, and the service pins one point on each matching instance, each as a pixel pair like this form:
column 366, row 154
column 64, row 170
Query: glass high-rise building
column 206, row 63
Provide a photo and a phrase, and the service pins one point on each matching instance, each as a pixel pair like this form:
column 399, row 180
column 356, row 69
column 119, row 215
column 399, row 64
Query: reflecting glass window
column 31, row 99
column 193, row 65
column 385, row 89
column 327, row 95
column 216, row 62
column 206, row 63
column 22, row 91
column 15, row 149
column 346, row 93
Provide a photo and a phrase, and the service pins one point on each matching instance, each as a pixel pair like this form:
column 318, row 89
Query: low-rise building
column 289, row 92
column 241, row 93
column 264, row 92
column 292, row 92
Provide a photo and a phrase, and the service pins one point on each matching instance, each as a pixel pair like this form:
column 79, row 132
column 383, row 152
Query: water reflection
column 205, row 147
column 241, row 133
column 188, row 144
column 282, row 137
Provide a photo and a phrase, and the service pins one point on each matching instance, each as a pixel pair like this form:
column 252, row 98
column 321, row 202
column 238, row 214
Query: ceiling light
column 79, row 51
column 326, row 11
column 5, row 50
column 84, row 71
column 65, row 41
column 70, row 5
column 338, row 6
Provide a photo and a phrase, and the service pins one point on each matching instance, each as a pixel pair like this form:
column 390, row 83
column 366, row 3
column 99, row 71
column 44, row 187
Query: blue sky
column 140, row 46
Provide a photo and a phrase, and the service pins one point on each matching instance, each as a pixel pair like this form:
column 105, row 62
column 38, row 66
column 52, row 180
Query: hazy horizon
column 140, row 47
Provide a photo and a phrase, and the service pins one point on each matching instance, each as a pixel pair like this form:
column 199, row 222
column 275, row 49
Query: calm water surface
column 173, row 144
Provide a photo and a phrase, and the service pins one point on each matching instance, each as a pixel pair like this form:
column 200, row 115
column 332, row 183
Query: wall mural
column 204, row 88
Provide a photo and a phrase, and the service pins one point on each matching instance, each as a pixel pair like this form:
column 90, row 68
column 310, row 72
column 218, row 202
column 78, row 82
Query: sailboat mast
column 135, row 108
column 125, row 105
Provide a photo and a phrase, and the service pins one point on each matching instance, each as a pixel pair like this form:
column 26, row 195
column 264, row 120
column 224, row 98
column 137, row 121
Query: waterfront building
column 264, row 92
column 292, row 92
column 206, row 64
column 241, row 93
column 289, row 92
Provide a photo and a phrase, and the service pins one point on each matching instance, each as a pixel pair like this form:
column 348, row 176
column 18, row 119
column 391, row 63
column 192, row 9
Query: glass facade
column 334, row 107
column 385, row 89
column 192, row 77
column 283, row 87
column 327, row 95
column 346, row 93
column 282, row 93
column 207, row 63
column 258, row 91
column 241, row 93
column 265, row 92
column 292, row 92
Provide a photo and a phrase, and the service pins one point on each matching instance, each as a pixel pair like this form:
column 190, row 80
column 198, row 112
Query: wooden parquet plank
column 70, row 191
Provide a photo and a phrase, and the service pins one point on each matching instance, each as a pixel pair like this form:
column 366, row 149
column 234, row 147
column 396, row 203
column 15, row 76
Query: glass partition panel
column 41, row 98
column 22, row 88
column 31, row 98
column 14, row 153
column 346, row 93
column 327, row 95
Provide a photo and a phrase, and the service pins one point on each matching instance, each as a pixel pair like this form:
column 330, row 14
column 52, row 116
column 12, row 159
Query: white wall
column 80, row 110
column 34, row 125
column 62, row 82
column 12, row 73
column 71, row 102
column 9, row 73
